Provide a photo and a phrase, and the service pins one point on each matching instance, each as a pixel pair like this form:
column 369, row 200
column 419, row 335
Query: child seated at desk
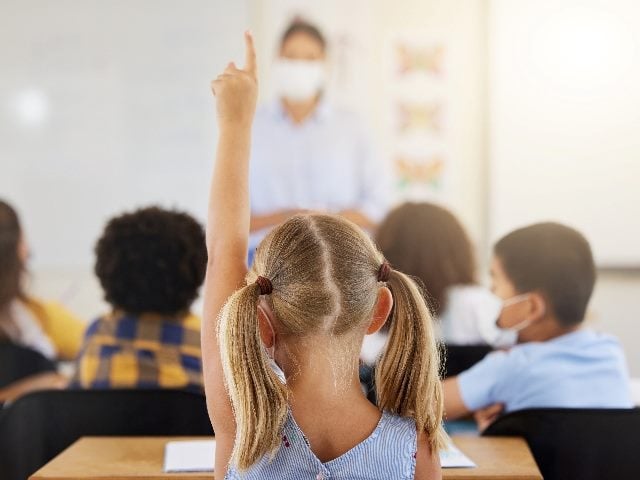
column 44, row 326
column 150, row 264
column 427, row 241
column 544, row 274
column 281, row 341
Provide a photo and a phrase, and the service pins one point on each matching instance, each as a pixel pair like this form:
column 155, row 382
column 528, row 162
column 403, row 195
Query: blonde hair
column 324, row 272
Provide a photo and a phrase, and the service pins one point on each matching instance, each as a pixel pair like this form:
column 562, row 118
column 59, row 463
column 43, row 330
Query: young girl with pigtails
column 281, row 340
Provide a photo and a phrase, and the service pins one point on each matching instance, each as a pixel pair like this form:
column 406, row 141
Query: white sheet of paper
column 189, row 456
column 198, row 456
column 452, row 457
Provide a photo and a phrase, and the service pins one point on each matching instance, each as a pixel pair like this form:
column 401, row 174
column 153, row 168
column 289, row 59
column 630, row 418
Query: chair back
column 18, row 362
column 37, row 427
column 458, row 358
column 585, row 444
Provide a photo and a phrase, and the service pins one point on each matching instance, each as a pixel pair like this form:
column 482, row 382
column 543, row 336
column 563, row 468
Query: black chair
column 367, row 381
column 584, row 444
column 458, row 358
column 38, row 426
column 17, row 362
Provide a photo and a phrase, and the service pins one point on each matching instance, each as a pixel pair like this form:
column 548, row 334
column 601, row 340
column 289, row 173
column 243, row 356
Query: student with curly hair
column 150, row 263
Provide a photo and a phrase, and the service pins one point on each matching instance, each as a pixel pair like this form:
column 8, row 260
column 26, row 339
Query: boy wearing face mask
column 307, row 155
column 544, row 274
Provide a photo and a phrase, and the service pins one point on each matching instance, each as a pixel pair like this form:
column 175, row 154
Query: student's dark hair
column 428, row 242
column 11, row 265
column 555, row 260
column 299, row 25
column 151, row 260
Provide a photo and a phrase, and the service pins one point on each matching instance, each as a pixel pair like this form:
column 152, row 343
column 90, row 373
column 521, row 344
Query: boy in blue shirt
column 544, row 274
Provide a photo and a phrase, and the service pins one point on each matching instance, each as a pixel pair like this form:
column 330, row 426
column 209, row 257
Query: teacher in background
column 307, row 155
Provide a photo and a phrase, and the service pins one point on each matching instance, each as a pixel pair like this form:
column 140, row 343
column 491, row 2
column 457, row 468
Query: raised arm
column 227, row 232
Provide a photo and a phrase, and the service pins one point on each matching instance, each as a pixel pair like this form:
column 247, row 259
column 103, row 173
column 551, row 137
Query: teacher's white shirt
column 325, row 163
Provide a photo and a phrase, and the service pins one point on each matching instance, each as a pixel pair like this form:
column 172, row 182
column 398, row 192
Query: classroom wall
column 564, row 116
column 615, row 308
column 106, row 106
column 462, row 26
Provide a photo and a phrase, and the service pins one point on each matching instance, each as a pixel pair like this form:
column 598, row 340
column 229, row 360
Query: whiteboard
column 564, row 118
column 106, row 106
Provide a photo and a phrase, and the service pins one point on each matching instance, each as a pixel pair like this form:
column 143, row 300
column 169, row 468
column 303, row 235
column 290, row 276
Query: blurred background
column 506, row 111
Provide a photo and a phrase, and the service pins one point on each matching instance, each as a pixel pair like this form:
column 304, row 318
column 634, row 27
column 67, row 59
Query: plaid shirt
column 133, row 352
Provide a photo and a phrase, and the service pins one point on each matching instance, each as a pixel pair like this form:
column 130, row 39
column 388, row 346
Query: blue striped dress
column 388, row 453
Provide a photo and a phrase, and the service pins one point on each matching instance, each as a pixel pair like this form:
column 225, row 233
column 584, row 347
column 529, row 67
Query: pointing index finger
column 250, row 59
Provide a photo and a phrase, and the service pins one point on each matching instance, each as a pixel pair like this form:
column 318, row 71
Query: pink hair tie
column 265, row 285
column 384, row 272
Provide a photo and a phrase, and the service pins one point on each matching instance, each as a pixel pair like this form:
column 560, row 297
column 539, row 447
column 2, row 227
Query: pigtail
column 407, row 375
column 258, row 397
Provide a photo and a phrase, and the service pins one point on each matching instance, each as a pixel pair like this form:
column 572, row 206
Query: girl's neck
column 323, row 379
column 327, row 401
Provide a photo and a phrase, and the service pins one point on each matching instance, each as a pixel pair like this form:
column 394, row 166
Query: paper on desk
column 452, row 457
column 189, row 456
column 198, row 456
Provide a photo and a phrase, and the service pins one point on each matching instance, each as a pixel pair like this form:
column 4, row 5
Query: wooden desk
column 140, row 458
column 496, row 458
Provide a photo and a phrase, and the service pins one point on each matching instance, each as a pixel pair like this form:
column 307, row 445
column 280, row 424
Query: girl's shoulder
column 391, row 423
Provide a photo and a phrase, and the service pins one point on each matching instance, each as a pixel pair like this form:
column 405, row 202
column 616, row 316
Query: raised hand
column 236, row 90
column 227, row 234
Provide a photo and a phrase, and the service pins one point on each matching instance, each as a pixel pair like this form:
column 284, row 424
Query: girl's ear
column 265, row 325
column 381, row 311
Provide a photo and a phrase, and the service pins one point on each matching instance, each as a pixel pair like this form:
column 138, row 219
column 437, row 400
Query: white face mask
column 298, row 80
column 496, row 335
column 506, row 337
column 271, row 353
column 492, row 334
column 276, row 368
